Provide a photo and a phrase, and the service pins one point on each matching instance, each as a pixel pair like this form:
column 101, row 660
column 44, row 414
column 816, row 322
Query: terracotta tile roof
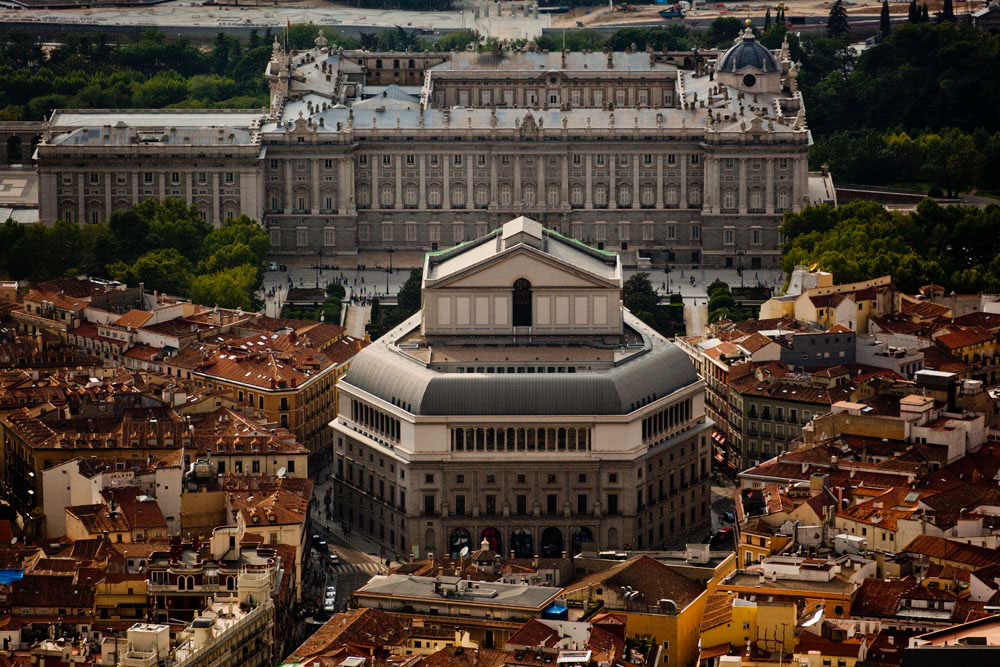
column 838, row 329
column 949, row 550
column 848, row 648
column 936, row 359
column 964, row 337
column 278, row 361
column 924, row 309
column 282, row 506
column 74, row 287
column 828, row 300
column 358, row 627
column 227, row 432
column 880, row 597
column 718, row 610
column 755, row 342
column 452, row 656
column 50, row 591
column 134, row 318
column 751, row 326
column 142, row 352
column 987, row 321
column 57, row 300
column 652, row 579
column 90, row 330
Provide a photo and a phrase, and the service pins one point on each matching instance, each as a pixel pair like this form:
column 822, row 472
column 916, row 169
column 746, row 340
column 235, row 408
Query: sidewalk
column 364, row 546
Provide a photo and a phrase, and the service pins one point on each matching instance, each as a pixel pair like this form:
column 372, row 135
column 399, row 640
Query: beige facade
column 536, row 440
column 648, row 154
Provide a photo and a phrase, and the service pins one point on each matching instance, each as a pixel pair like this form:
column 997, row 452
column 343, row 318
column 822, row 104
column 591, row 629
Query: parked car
column 273, row 266
column 722, row 536
column 728, row 517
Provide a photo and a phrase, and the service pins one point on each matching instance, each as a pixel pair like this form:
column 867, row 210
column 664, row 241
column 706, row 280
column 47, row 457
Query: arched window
column 522, row 303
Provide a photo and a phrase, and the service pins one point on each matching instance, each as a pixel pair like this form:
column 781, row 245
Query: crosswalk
column 364, row 568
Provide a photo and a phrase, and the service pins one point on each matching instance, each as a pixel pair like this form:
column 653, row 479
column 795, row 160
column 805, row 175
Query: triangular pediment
column 523, row 261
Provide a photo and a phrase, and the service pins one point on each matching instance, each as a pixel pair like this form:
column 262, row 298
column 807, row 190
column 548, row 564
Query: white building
column 525, row 406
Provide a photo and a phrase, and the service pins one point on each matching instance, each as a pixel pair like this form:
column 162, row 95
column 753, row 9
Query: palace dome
column 748, row 52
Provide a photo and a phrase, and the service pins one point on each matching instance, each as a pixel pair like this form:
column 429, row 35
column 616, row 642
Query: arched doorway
column 581, row 536
column 429, row 541
column 612, row 538
column 522, row 544
column 14, row 150
column 460, row 538
column 552, row 542
column 492, row 535
column 522, row 303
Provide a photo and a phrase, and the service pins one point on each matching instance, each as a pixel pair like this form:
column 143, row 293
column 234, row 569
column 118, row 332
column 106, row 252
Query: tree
column 948, row 11
column 231, row 288
column 836, row 24
column 914, row 12
column 767, row 19
column 722, row 31
column 166, row 270
column 924, row 14
column 639, row 296
column 885, row 23
column 409, row 294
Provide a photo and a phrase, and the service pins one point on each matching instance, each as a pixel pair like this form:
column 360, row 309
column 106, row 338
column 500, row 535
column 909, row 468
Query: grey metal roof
column 478, row 592
column 384, row 372
column 748, row 52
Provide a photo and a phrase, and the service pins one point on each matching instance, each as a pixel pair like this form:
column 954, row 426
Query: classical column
column 518, row 201
column 659, row 180
column 422, row 204
column 289, row 204
column 589, row 184
column 612, row 194
column 189, row 187
column 565, row 181
column 108, row 178
column 469, row 202
column 796, row 186
column 163, row 185
column 399, row 181
column 81, row 206
column 376, row 196
column 716, row 185
column 446, row 195
column 769, row 187
column 494, row 190
column 134, row 178
column 540, row 199
column 635, row 180
column 707, row 187
column 742, row 192
column 216, row 177
column 315, row 186
column 684, row 157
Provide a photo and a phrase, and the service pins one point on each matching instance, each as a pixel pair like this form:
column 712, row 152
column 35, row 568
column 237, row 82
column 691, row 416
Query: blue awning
column 10, row 576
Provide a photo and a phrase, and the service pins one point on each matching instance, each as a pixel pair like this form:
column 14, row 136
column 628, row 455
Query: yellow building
column 658, row 602
column 825, row 304
column 756, row 540
column 122, row 597
column 285, row 377
column 730, row 623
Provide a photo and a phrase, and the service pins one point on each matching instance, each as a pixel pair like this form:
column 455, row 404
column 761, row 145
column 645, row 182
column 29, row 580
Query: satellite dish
column 812, row 267
column 281, row 472
column 14, row 540
column 464, row 552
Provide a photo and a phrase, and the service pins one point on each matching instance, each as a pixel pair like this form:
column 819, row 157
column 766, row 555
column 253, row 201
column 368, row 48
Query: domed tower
column 749, row 66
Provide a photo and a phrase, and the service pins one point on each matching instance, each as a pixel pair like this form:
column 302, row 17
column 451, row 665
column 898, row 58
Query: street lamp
column 388, row 271
column 319, row 264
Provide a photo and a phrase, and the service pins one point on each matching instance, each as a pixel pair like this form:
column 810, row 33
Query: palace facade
column 683, row 157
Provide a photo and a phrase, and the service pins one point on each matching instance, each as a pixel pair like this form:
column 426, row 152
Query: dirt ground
column 601, row 16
